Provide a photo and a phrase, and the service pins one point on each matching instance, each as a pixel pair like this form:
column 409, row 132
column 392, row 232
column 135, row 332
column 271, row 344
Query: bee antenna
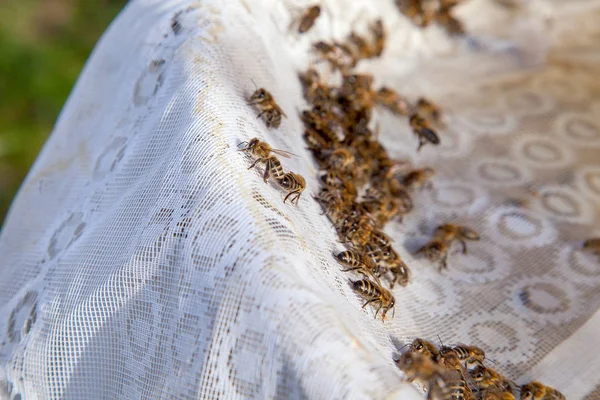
column 255, row 85
column 440, row 339
column 407, row 344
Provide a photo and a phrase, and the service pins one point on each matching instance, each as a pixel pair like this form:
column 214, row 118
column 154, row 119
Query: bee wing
column 280, row 110
column 284, row 153
column 431, row 135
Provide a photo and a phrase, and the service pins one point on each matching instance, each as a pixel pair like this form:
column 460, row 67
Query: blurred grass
column 43, row 47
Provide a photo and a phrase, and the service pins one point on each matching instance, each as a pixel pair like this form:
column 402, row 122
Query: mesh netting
column 141, row 259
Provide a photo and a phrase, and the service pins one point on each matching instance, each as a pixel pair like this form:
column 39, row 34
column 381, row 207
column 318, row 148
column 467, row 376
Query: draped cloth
column 142, row 259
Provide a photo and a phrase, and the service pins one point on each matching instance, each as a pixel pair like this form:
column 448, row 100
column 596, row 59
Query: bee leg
column 351, row 269
column 444, row 261
column 369, row 301
column 261, row 114
column 421, row 143
column 288, row 195
column 255, row 162
column 267, row 171
column 377, row 312
column 464, row 246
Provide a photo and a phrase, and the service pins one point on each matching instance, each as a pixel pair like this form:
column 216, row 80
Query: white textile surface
column 141, row 259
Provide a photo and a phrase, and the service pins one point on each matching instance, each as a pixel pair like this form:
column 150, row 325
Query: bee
column 339, row 55
column 262, row 150
column 336, row 179
column 380, row 238
column 357, row 89
column 292, row 183
column 315, row 92
column 373, row 291
column 422, row 368
column 454, row 388
column 308, row 18
column 317, row 140
column 361, row 46
column 415, row 10
column 332, row 203
column 273, row 168
column 436, row 250
column 537, row 391
column 423, row 130
column 268, row 108
column 401, row 273
column 354, row 261
column 425, row 348
column 469, row 354
column 418, row 178
column 497, row 395
column 592, row 246
column 391, row 100
column 341, row 159
column 429, row 109
column 486, row 379
column 452, row 25
column 450, row 232
column 379, row 35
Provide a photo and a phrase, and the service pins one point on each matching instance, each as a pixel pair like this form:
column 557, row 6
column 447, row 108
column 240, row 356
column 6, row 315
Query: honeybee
column 426, row 348
column 268, row 108
column 450, row 232
column 418, row 178
column 315, row 92
column 322, row 120
column 379, row 36
column 341, row 158
column 317, row 140
column 357, row 89
column 537, row 391
column 354, row 261
column 332, row 203
column 373, row 291
column 428, row 109
column 273, row 168
column 361, row 45
column 294, row 184
column 469, row 354
column 486, row 379
column 592, row 246
column 308, row 18
column 339, row 55
column 401, row 273
column 391, row 100
column 436, row 250
column 423, row 130
column 454, row 388
column 422, row 368
column 497, row 395
column 415, row 10
column 262, row 150
column 452, row 25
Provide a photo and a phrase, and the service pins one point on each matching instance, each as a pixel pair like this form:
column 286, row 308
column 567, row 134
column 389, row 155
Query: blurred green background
column 43, row 46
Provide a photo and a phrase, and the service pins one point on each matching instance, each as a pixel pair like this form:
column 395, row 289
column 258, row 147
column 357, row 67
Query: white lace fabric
column 141, row 259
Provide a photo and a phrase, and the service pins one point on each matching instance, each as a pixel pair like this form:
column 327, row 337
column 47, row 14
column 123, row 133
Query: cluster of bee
column 438, row 248
column 291, row 182
column 345, row 55
column 424, row 12
column 459, row 373
column 363, row 188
